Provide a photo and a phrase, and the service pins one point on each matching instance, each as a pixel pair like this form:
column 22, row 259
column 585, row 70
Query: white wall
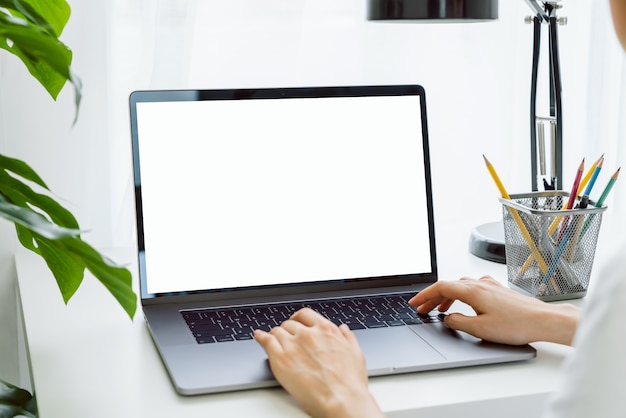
column 476, row 77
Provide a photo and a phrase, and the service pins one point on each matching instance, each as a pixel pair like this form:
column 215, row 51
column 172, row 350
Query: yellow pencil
column 496, row 179
column 587, row 177
column 516, row 217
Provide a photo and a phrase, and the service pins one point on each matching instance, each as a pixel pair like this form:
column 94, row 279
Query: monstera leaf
column 30, row 30
column 50, row 230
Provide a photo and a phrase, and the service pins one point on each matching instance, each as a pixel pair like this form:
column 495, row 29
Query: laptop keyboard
column 238, row 323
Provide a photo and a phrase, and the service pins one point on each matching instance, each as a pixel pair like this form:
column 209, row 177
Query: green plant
column 30, row 30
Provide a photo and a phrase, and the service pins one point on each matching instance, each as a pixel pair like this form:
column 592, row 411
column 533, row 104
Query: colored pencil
column 566, row 230
column 608, row 188
column 572, row 197
column 529, row 241
column 600, row 201
column 588, row 175
column 557, row 220
column 593, row 179
column 582, row 185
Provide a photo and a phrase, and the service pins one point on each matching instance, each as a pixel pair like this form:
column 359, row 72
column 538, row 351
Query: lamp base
column 487, row 242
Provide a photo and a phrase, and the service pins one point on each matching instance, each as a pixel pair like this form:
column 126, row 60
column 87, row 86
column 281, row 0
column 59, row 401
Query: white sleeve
column 594, row 378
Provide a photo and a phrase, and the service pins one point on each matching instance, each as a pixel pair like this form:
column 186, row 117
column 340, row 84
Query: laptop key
column 267, row 322
column 201, row 321
column 205, row 327
column 375, row 324
column 224, row 338
column 242, row 331
column 370, row 318
column 428, row 319
column 263, row 327
column 212, row 333
column 205, row 340
column 229, row 324
column 190, row 316
column 247, row 323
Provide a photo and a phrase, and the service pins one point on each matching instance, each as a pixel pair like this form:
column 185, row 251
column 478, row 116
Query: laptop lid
column 267, row 192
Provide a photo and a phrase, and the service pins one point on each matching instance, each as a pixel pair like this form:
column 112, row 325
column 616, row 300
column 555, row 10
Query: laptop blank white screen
column 239, row 193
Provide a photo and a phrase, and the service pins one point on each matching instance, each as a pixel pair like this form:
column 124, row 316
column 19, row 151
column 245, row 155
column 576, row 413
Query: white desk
column 89, row 360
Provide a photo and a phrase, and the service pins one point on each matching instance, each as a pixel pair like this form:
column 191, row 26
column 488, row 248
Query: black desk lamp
column 433, row 10
column 487, row 241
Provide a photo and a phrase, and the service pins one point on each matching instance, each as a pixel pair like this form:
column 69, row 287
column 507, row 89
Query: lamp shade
column 432, row 10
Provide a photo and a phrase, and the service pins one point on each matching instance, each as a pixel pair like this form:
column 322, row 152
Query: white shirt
column 594, row 378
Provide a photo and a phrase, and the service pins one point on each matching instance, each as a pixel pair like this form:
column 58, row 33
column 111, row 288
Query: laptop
column 253, row 203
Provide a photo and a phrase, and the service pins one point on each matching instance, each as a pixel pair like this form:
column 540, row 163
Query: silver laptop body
column 269, row 196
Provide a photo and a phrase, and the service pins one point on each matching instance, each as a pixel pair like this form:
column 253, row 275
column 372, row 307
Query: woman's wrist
column 353, row 404
column 557, row 323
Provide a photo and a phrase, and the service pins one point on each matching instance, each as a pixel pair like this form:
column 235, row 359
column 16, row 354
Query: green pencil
column 607, row 189
column 601, row 200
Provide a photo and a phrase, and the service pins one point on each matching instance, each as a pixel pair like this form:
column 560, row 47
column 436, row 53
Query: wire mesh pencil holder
column 549, row 250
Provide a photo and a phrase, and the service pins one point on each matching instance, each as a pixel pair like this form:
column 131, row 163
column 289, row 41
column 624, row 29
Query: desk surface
column 89, row 359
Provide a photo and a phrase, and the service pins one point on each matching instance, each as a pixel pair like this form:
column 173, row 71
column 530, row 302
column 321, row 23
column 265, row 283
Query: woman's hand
column 502, row 315
column 320, row 365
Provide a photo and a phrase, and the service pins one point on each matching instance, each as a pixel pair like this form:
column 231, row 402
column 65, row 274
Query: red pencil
column 572, row 197
column 579, row 175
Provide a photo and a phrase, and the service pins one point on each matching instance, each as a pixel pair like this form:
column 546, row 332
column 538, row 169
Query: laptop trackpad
column 394, row 349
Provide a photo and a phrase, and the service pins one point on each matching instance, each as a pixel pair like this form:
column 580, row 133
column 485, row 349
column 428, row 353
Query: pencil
column 566, row 230
column 600, row 201
column 496, row 179
column 608, row 188
column 573, row 242
column 555, row 260
column 531, row 245
column 578, row 234
column 579, row 176
column 582, row 185
column 555, row 222
column 588, row 175
column 572, row 196
column 594, row 177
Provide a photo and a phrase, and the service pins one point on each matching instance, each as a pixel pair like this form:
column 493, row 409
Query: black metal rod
column 533, row 101
column 555, row 71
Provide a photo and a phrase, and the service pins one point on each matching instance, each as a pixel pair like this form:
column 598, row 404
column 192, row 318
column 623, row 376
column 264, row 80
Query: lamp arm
column 533, row 100
column 545, row 12
column 555, row 75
